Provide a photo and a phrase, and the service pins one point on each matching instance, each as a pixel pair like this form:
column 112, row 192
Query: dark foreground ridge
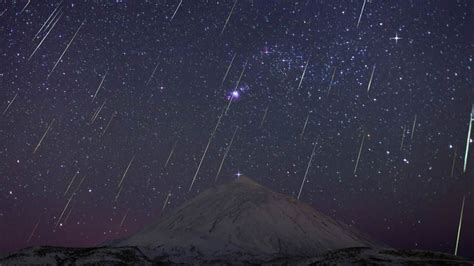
column 237, row 223
column 46, row 255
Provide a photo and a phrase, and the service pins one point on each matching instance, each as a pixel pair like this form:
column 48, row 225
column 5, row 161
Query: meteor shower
column 236, row 132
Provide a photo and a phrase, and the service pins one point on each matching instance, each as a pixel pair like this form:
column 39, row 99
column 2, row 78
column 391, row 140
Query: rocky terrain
column 45, row 255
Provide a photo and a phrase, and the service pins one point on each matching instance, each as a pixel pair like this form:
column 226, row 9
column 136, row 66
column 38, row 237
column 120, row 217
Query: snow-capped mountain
column 237, row 223
column 243, row 217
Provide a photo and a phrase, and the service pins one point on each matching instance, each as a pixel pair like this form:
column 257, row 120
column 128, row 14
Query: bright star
column 396, row 38
column 234, row 95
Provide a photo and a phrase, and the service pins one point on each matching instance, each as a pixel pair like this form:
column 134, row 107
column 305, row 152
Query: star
column 396, row 38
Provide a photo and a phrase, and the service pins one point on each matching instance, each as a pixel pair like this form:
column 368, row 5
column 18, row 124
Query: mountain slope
column 243, row 217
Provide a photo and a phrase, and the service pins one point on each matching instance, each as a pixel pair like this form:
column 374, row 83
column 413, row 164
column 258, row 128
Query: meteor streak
column 171, row 153
column 236, row 86
column 98, row 112
column 241, row 74
column 152, row 74
column 70, row 183
column 307, row 168
column 80, row 184
column 55, row 15
column 126, row 170
column 228, row 104
column 10, row 103
column 34, row 230
column 218, row 122
column 468, row 139
column 166, row 201
column 332, row 79
column 227, row 71
column 65, row 207
column 459, row 227
column 124, row 217
column 264, row 116
column 200, row 162
column 180, row 2
column 207, row 147
column 118, row 193
column 413, row 127
column 67, row 47
column 225, row 154
column 230, row 14
column 54, row 11
column 25, row 6
column 67, row 216
column 46, row 35
column 108, row 124
column 100, row 85
column 44, row 135
column 361, row 11
column 93, row 115
column 304, row 127
column 403, row 137
column 371, row 77
column 454, row 162
column 304, row 71
column 358, row 156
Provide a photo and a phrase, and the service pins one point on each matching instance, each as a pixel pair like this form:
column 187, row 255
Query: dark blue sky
column 163, row 87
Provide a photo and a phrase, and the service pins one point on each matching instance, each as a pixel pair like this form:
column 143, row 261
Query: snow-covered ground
column 238, row 223
column 247, row 218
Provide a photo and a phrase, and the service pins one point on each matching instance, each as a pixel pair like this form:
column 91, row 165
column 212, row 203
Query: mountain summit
column 239, row 223
column 244, row 217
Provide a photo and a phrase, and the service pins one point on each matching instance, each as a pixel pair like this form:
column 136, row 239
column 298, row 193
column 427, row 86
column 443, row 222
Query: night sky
column 93, row 148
